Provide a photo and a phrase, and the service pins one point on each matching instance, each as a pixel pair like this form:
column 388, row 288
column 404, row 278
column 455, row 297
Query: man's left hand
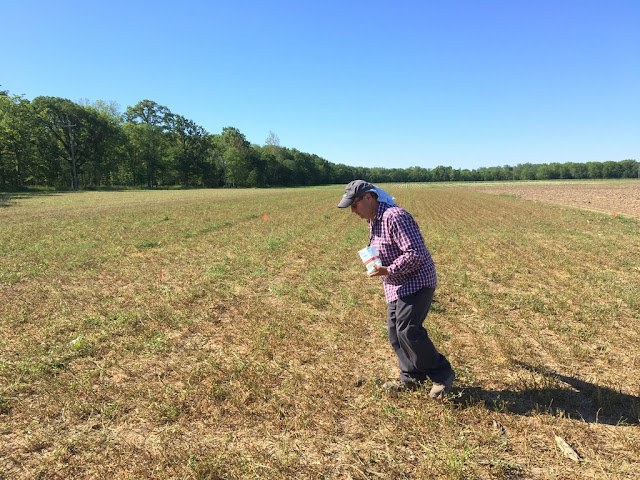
column 380, row 271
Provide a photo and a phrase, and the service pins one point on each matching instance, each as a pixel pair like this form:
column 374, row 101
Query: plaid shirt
column 397, row 237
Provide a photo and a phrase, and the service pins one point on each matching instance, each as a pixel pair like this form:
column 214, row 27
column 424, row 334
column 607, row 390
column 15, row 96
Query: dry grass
column 180, row 334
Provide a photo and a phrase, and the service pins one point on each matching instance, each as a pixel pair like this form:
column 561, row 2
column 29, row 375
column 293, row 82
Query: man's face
column 365, row 207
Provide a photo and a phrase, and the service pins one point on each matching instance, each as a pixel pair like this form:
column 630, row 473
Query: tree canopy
column 56, row 142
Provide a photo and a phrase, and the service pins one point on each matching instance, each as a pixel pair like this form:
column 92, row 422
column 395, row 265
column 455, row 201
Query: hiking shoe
column 439, row 390
column 399, row 386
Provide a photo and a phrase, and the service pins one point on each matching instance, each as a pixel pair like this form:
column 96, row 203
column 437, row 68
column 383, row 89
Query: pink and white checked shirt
column 397, row 237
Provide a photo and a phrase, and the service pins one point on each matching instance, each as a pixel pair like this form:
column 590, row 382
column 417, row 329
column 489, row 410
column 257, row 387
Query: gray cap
column 354, row 189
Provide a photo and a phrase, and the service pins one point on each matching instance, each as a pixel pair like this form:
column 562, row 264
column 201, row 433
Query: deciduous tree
column 148, row 124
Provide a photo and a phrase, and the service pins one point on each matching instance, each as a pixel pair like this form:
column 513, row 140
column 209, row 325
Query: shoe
column 439, row 390
column 399, row 386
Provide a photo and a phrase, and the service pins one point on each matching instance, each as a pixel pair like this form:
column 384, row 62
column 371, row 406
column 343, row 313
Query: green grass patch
column 181, row 334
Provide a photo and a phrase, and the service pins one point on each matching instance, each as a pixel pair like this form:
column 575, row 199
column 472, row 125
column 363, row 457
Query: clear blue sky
column 461, row 83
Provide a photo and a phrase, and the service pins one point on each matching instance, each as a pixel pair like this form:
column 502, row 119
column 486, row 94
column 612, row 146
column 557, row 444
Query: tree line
column 56, row 142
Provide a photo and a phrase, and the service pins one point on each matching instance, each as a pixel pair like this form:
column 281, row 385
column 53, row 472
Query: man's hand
column 380, row 271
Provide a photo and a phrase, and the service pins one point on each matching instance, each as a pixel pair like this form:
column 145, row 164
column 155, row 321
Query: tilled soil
column 622, row 199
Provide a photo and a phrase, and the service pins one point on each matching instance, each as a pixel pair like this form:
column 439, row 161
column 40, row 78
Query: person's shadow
column 562, row 395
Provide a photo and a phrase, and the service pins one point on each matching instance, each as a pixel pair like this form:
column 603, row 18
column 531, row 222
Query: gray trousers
column 417, row 356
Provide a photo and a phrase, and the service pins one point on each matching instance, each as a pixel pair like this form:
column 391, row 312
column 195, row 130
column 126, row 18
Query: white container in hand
column 369, row 256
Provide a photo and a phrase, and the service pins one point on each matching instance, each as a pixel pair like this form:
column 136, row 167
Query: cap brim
column 345, row 202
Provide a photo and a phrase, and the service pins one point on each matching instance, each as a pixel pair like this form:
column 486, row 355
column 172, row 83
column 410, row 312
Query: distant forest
column 55, row 142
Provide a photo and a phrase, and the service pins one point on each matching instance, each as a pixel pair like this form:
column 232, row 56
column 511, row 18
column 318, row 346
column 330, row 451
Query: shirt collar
column 381, row 209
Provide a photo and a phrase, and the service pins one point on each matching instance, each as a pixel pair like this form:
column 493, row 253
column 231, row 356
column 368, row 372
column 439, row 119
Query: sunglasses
column 355, row 202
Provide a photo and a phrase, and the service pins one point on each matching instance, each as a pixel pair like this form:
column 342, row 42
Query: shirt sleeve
column 405, row 233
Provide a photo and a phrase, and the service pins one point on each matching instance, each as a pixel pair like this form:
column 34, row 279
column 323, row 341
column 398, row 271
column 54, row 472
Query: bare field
column 621, row 198
column 210, row 334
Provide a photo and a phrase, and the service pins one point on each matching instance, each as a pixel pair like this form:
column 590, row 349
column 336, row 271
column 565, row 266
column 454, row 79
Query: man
column 409, row 279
